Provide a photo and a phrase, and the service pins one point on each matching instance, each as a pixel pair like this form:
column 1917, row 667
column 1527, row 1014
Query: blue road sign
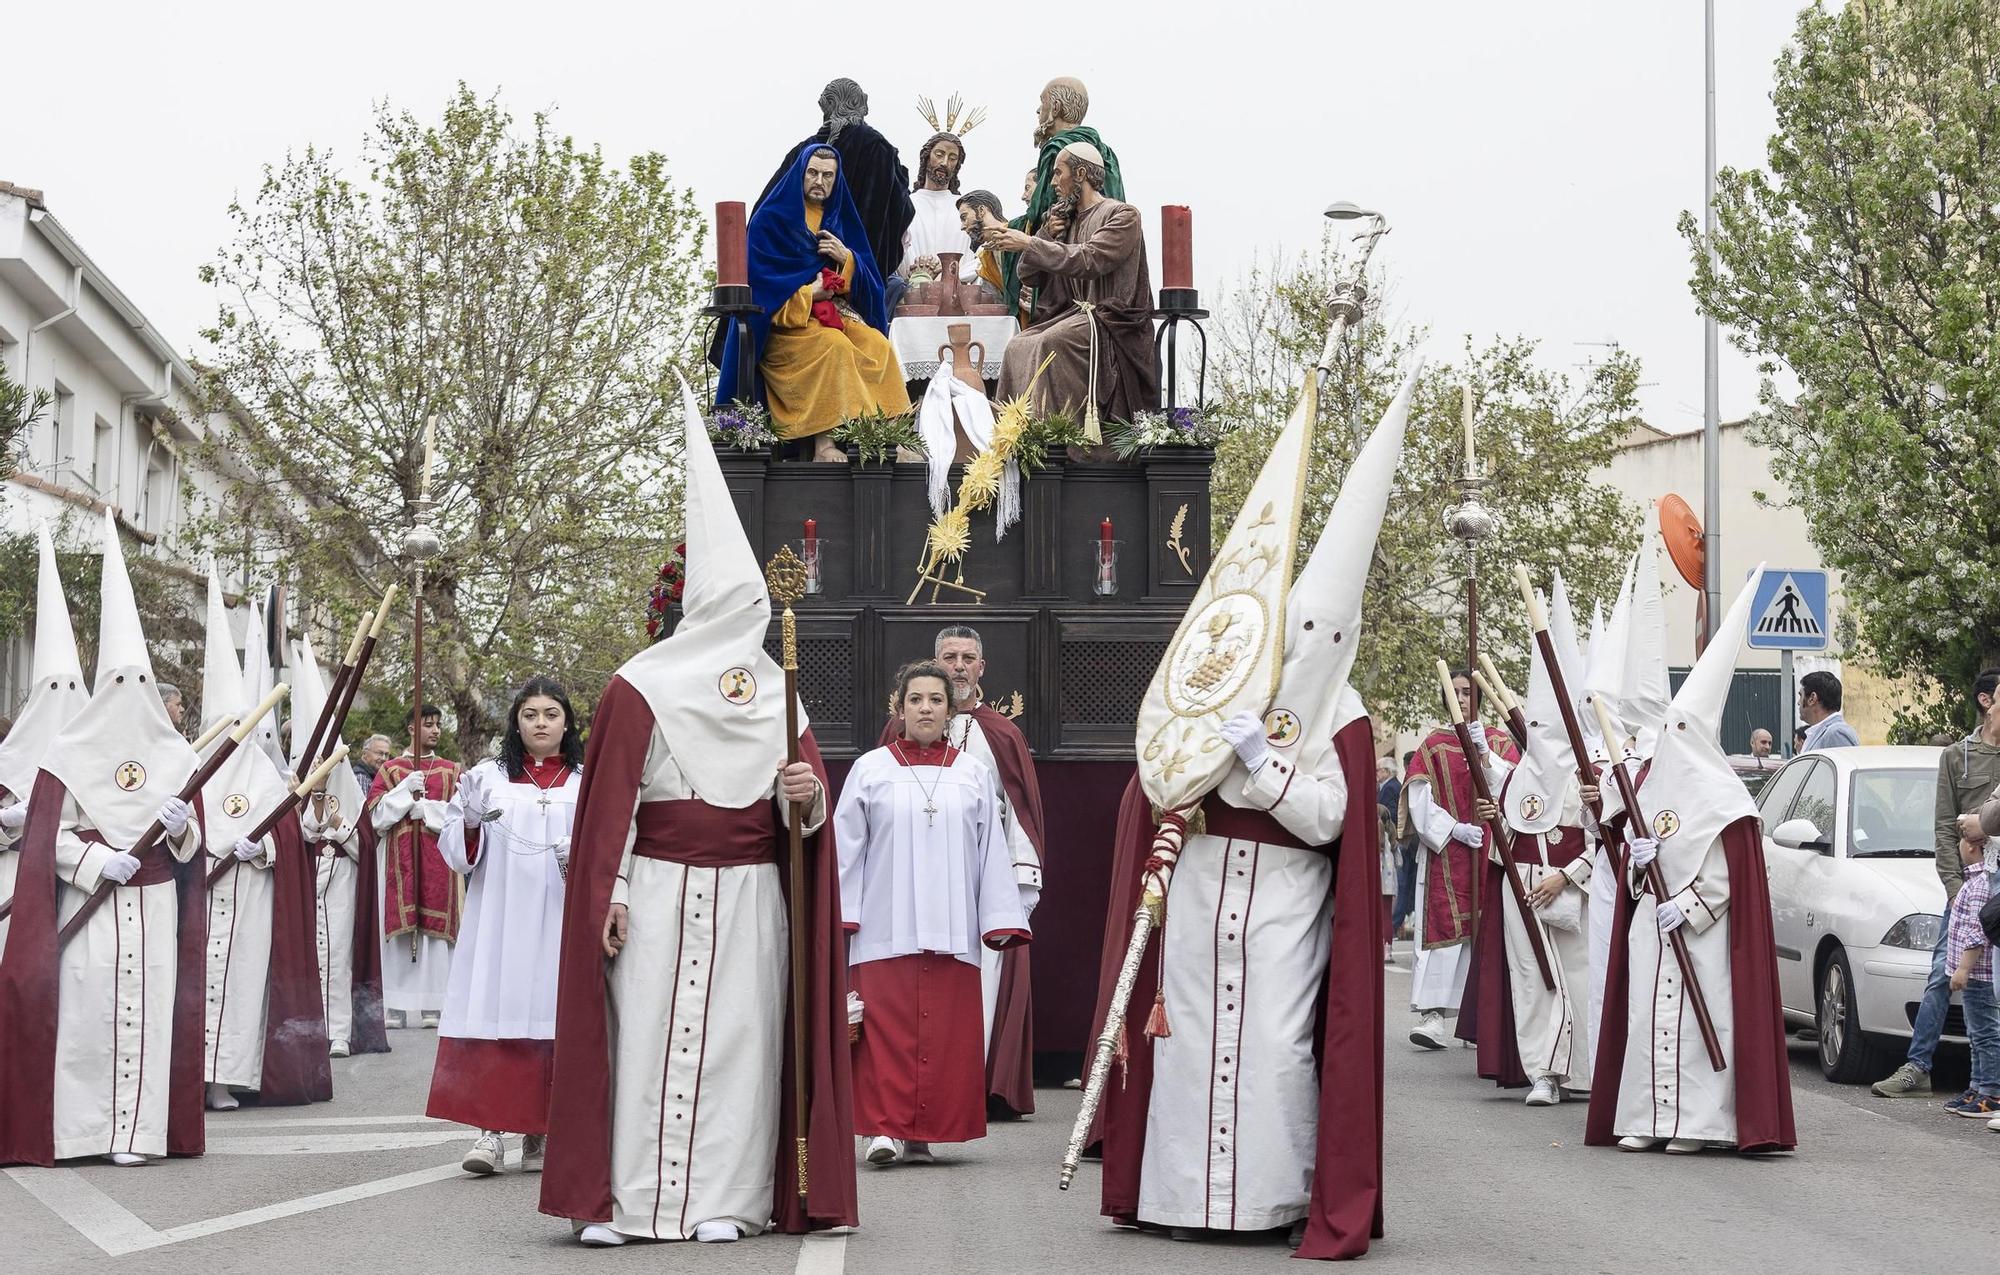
column 1789, row 612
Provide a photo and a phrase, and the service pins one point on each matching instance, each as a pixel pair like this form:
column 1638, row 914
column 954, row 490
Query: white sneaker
column 1429, row 1032
column 716, row 1233
column 884, row 1151
column 1544, row 1092
column 430, row 1020
column 125, row 1159
column 488, row 1154
column 1635, row 1143
column 395, row 1019
column 598, row 1235
column 916, row 1153
column 534, row 1147
column 1686, row 1146
column 1994, row 1124
column 220, row 1099
column 337, row 1049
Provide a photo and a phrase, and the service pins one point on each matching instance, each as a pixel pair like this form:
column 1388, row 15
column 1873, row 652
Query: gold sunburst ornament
column 950, row 123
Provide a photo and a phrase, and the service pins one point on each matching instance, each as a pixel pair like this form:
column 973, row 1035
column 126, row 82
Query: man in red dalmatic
column 1438, row 784
column 1005, row 979
column 421, row 897
column 672, row 1115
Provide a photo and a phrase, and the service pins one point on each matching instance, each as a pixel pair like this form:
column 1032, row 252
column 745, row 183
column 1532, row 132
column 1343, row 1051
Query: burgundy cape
column 1449, row 895
column 367, row 1033
column 296, row 1067
column 30, row 999
column 1346, row 1207
column 577, row 1180
column 1010, row 1055
column 1763, row 1071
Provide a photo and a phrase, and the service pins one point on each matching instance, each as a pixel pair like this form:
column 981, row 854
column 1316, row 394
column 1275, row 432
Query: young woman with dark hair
column 926, row 878
column 507, row 832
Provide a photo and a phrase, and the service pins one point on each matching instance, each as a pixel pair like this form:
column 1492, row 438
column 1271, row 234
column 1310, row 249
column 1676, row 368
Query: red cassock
column 1346, row 1206
column 420, row 893
column 1760, row 1063
column 30, row 998
column 576, row 1183
column 1010, row 1053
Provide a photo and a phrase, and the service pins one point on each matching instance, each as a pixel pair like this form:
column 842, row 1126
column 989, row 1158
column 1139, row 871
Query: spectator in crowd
column 1406, row 859
column 375, row 750
column 170, row 698
column 1388, row 792
column 1968, row 772
column 1798, row 740
column 1760, row 748
column 1819, row 707
column 1971, row 964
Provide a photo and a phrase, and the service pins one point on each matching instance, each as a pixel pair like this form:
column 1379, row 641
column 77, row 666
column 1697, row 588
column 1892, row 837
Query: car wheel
column 1847, row 1055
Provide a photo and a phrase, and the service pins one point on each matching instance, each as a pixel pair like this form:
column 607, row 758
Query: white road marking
column 118, row 1231
column 333, row 1143
column 823, row 1253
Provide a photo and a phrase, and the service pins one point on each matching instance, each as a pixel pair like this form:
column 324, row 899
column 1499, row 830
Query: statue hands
column 831, row 248
column 1006, row 239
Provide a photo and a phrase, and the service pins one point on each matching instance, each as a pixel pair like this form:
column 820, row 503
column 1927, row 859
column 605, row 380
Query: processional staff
column 420, row 544
column 785, row 576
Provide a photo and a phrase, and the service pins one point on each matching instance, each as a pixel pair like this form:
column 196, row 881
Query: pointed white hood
column 259, row 678
column 1323, row 610
column 309, row 692
column 1542, row 791
column 1604, row 677
column 56, row 691
column 119, row 757
column 249, row 785
column 1643, row 687
column 1691, row 792
column 717, row 696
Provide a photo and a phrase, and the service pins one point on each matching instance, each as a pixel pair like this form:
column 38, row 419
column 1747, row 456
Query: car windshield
column 1889, row 814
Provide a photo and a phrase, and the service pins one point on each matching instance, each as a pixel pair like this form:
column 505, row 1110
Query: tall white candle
column 1470, row 470
column 430, row 448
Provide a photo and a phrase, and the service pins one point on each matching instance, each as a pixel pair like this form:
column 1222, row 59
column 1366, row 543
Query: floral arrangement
column 666, row 592
column 1058, row 431
column 743, row 426
column 877, row 437
column 980, row 485
column 1175, row 427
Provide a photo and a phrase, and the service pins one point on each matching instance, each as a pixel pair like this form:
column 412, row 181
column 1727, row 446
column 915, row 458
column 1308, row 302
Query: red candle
column 812, row 530
column 732, row 262
column 1177, row 250
column 1104, row 531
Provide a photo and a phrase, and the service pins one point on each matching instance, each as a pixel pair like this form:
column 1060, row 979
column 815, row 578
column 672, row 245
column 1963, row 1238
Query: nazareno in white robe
column 114, row 1031
column 1238, row 1071
column 237, row 962
column 336, row 877
column 1551, row 1033
column 703, row 972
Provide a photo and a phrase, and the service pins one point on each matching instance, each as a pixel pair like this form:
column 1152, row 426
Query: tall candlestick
column 732, row 268
column 1177, row 246
column 430, row 453
column 1470, row 469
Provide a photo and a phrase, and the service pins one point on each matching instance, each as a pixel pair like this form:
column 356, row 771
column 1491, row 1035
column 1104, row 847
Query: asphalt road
column 1476, row 1182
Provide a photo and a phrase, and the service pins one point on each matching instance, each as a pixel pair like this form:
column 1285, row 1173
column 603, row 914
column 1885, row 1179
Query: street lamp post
column 1711, row 397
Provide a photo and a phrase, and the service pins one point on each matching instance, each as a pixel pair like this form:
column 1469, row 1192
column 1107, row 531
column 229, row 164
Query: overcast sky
column 1532, row 156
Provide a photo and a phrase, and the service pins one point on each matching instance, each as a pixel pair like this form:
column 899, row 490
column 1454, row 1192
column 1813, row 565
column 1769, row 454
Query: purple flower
column 1183, row 419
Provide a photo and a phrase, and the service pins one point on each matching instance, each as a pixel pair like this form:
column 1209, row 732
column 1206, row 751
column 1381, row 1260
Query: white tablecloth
column 917, row 339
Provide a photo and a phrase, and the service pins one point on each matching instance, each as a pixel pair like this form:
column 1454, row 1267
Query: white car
column 1856, row 904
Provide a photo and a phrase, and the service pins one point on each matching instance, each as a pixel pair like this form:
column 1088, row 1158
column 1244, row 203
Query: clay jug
column 947, row 284
column 967, row 355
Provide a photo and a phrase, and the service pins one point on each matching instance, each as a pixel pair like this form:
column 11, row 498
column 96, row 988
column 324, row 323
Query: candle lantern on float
column 730, row 301
column 1180, row 302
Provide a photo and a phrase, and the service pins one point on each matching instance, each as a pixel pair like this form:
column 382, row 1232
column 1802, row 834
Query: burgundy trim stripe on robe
column 1346, row 1206
column 1763, row 1069
column 296, row 1067
column 576, row 1183
column 30, row 999
column 368, row 1033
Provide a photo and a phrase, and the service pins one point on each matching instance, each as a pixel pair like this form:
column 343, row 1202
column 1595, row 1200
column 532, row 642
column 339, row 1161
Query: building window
column 60, row 424
column 153, row 500
column 104, row 461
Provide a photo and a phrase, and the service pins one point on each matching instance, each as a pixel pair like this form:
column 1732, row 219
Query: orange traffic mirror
column 1682, row 532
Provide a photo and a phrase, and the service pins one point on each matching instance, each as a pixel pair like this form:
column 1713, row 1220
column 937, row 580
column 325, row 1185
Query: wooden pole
column 305, row 787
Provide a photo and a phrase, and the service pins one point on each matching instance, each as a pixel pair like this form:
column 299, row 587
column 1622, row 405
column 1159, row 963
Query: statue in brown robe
column 1087, row 264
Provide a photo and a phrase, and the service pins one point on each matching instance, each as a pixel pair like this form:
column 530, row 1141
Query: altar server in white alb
column 1266, row 1040
column 926, row 884
column 1540, row 1036
column 672, row 1113
column 262, row 1014
column 96, row 1056
column 343, row 933
column 55, row 694
column 1656, row 1086
column 508, row 834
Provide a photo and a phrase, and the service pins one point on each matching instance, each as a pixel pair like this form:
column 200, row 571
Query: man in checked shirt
column 1970, row 961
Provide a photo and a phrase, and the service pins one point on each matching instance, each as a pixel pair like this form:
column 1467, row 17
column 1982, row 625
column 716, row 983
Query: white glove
column 174, row 816
column 854, row 1008
column 12, row 817
column 1030, row 896
column 471, row 797
column 562, row 853
column 1479, row 744
column 1469, row 833
column 246, row 849
column 1644, row 851
column 413, row 784
column 1671, row 917
column 1245, row 733
column 122, row 866
column 432, row 813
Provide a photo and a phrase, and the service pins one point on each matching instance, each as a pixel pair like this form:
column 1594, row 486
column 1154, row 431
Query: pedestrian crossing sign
column 1789, row 612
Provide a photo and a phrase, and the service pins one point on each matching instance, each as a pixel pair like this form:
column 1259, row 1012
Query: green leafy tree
column 20, row 409
column 534, row 300
column 1866, row 261
column 1539, row 435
